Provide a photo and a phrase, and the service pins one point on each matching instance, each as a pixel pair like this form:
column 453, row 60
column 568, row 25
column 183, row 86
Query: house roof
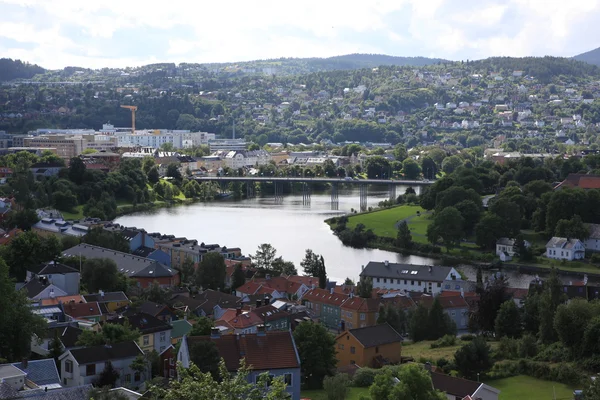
column 406, row 271
column 96, row 354
column 362, row 305
column 53, row 268
column 65, row 393
column 212, row 298
column 82, row 310
column 450, row 300
column 582, row 181
column 145, row 323
column 325, row 297
column 506, row 242
column 8, row 371
column 106, row 297
column 68, row 335
column 6, row 237
column 242, row 320
column 282, row 285
column 35, row 287
column 562, row 243
column 143, row 251
column 128, row 264
column 594, row 231
column 77, row 298
column 376, row 335
column 249, row 287
column 269, row 351
column 307, row 280
column 40, row 372
column 180, row 327
column 270, row 313
column 454, row 386
column 152, row 308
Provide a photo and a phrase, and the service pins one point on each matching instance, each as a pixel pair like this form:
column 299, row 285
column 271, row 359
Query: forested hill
column 591, row 57
column 15, row 69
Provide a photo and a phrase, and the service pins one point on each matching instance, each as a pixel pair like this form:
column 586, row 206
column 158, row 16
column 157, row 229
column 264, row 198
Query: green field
column 527, row 388
column 423, row 349
column 76, row 213
column 354, row 394
column 383, row 222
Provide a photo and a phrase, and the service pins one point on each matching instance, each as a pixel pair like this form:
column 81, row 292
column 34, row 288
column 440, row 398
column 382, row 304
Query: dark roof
column 106, row 298
column 96, row 354
column 270, row 313
column 47, row 165
column 143, row 251
column 40, row 372
column 152, row 308
column 376, row 335
column 406, row 271
column 7, row 391
column 52, row 268
column 145, row 323
column 272, row 350
column 34, row 287
column 68, row 335
column 128, row 264
column 65, row 393
column 454, row 386
column 207, row 300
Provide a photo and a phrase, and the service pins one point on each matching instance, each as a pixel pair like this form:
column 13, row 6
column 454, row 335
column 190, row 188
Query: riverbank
column 377, row 229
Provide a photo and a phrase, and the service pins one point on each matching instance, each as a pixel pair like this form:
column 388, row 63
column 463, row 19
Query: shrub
column 364, row 377
column 555, row 352
column 508, row 349
column 467, row 338
column 444, row 341
column 595, row 258
column 336, row 387
column 528, row 346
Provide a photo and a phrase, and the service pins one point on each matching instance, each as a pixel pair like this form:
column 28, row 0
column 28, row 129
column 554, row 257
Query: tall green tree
column 110, row 333
column 55, row 349
column 205, row 355
column 473, row 358
column 448, row 226
column 238, row 278
column 490, row 301
column 438, row 322
column 108, row 376
column 364, row 287
column 316, row 348
column 508, row 320
column 552, row 296
column 310, row 263
column 202, row 327
column 404, row 237
column 411, row 169
column 572, row 228
column 264, row 256
column 27, row 250
column 418, row 328
column 101, row 274
column 211, row 271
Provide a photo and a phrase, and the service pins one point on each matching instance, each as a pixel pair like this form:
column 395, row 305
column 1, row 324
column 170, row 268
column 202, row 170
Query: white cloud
column 96, row 33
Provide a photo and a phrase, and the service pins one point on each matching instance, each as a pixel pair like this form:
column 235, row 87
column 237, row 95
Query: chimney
column 387, row 263
column 331, row 291
column 215, row 333
column 462, row 292
column 24, row 362
column 428, row 366
column 362, row 267
column 261, row 330
column 258, row 303
column 238, row 311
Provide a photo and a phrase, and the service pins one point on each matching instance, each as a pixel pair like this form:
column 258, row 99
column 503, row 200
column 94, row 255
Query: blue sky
column 120, row 33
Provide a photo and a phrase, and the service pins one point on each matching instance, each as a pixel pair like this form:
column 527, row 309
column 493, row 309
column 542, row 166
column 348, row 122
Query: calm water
column 289, row 226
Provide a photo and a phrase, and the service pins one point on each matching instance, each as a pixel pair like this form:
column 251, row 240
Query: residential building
column 582, row 181
column 111, row 300
column 157, row 137
column 84, row 311
column 227, row 145
column 454, row 305
column 407, row 277
column 326, row 305
column 45, row 169
column 160, row 311
column 565, row 249
column 67, row 332
column 60, row 275
column 458, row 388
column 209, row 303
column 357, row 312
column 83, row 366
column 58, row 227
column 273, row 352
column 142, row 270
column 12, row 376
column 71, row 393
column 168, row 363
column 136, row 238
column 39, row 289
column 592, row 243
column 155, row 334
column 372, row 346
column 40, row 374
column 182, row 249
column 181, row 328
column 506, row 248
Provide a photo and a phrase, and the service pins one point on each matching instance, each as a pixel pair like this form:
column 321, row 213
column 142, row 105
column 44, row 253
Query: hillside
column 15, row 69
column 591, row 57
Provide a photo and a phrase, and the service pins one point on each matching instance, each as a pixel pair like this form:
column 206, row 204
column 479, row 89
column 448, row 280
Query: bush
column 595, row 258
column 364, row 377
column 563, row 372
column 467, row 338
column 528, row 346
column 508, row 349
column 336, row 387
column 555, row 352
column 444, row 341
column 591, row 364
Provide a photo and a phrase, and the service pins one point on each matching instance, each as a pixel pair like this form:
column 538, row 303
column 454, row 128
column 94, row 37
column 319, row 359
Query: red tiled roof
column 241, row 321
column 9, row 236
column 281, row 284
column 325, row 297
column 274, row 350
column 64, row 299
column 82, row 310
column 517, row 293
column 403, row 302
column 362, row 305
column 249, row 288
column 582, row 181
column 307, row 280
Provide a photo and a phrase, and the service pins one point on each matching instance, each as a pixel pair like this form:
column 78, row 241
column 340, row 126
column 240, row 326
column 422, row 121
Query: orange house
column 359, row 313
column 373, row 346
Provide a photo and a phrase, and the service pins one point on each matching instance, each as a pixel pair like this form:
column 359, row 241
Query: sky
column 122, row 33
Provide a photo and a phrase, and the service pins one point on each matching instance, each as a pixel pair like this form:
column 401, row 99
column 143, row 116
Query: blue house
column 137, row 238
column 153, row 254
column 273, row 352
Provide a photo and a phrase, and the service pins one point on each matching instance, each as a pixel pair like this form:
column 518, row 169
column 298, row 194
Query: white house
column 420, row 278
column 60, row 275
column 506, row 248
column 565, row 249
column 592, row 243
column 83, row 366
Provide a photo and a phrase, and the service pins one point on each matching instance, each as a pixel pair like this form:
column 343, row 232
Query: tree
column 450, row 164
column 488, row 231
column 473, row 358
column 316, row 348
column 173, row 172
column 509, row 213
column 508, row 320
column 364, row 288
column 551, row 297
column 238, row 278
column 264, row 256
column 76, row 170
column 418, row 321
column 591, row 337
column 592, row 392
column 337, row 386
column 281, row 267
column 411, row 169
column 429, row 168
column 193, row 384
column 322, row 273
column 140, row 366
column 404, row 237
column 101, row 274
column 310, row 263
column 153, row 175
column 27, row 250
column 571, row 321
column 572, row 228
column 105, row 393
column 490, row 301
column 111, row 333
column 438, row 322
column 447, row 225
column 55, row 348
column 211, row 271
column 470, row 212
column 348, row 282
column 377, row 167
column 202, row 327
column 394, row 316
column 187, row 270
column 22, row 219
column 108, row 376
column 109, row 240
column 400, row 152
column 415, row 384
column 205, row 355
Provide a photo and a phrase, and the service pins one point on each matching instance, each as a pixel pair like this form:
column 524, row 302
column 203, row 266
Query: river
column 289, row 226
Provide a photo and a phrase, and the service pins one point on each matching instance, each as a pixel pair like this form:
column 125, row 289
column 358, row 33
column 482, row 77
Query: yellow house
column 372, row 346
column 110, row 300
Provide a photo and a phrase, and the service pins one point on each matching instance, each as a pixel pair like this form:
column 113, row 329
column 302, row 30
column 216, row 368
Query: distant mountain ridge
column 591, row 57
column 16, row 69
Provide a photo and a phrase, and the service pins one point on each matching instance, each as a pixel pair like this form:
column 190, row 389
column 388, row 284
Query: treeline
column 14, row 69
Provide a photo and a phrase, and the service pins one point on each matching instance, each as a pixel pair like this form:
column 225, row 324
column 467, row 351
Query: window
column 287, row 378
column 64, row 381
column 137, row 377
column 90, row 369
column 171, row 361
column 146, row 340
column 377, row 279
column 419, row 283
column 352, row 350
column 412, row 283
column 384, row 280
column 362, row 316
column 439, row 284
column 163, row 336
column 69, row 366
column 453, row 313
column 405, row 281
column 128, row 378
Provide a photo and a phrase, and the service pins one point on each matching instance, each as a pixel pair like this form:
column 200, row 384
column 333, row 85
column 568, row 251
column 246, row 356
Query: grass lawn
column 76, row 214
column 383, row 222
column 527, row 388
column 354, row 394
column 423, row 349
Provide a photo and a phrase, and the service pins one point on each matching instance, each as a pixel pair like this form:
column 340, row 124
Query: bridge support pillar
column 223, row 186
column 278, row 189
column 392, row 192
column 305, row 194
column 250, row 190
column 335, row 204
column 363, row 197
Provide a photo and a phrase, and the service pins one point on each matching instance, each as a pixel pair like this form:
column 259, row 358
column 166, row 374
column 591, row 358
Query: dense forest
column 16, row 69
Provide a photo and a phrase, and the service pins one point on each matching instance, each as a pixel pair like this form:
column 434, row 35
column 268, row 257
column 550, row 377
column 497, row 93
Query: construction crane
column 133, row 110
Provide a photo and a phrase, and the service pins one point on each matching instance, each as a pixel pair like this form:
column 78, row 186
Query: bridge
column 279, row 181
